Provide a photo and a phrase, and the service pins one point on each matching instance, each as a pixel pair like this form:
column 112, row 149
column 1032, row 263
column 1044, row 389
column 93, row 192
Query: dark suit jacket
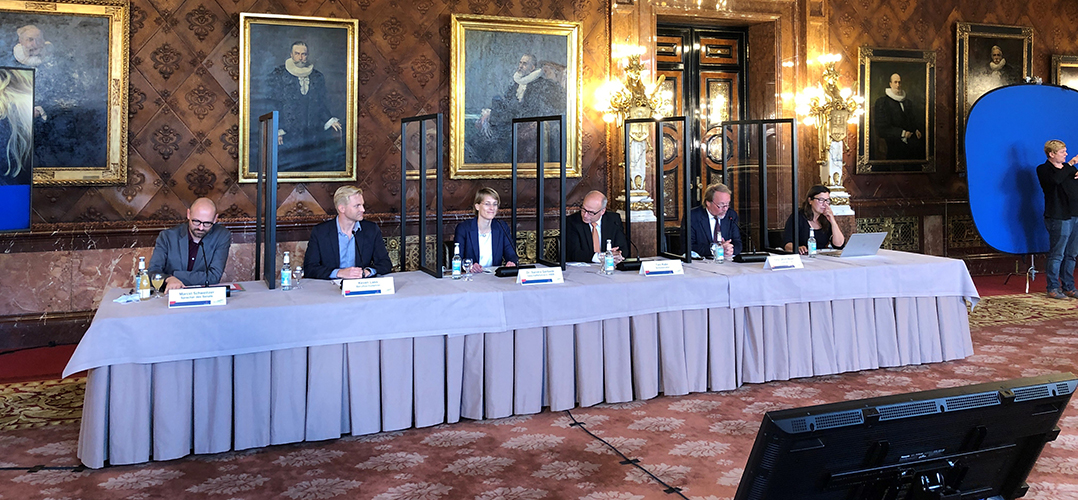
column 501, row 245
column 170, row 255
column 700, row 235
column 324, row 255
column 578, row 246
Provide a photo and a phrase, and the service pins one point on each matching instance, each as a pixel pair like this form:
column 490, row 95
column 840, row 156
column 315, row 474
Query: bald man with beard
column 195, row 252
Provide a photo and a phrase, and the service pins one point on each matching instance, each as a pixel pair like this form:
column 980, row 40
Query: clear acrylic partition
column 760, row 160
column 421, row 195
column 539, row 138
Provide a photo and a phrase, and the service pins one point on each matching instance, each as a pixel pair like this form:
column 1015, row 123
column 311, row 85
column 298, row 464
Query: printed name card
column 195, row 297
column 367, row 287
column 781, row 262
column 539, row 276
column 661, row 267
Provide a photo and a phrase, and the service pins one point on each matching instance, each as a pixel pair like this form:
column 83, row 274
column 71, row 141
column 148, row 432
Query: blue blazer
column 700, row 231
column 502, row 249
column 323, row 253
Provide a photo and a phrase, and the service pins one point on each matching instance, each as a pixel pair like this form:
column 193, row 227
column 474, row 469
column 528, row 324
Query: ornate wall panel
column 183, row 106
column 930, row 25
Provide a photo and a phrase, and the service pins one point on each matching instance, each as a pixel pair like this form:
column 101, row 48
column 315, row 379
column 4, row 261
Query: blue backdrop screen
column 15, row 207
column 1005, row 137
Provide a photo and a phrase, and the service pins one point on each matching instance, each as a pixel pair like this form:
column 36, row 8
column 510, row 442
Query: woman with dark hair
column 815, row 213
column 483, row 239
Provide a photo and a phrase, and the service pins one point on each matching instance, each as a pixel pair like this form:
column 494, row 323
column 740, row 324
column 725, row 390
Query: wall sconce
column 631, row 98
column 831, row 109
column 619, row 100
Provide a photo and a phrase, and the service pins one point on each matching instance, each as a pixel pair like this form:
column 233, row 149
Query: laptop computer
column 859, row 245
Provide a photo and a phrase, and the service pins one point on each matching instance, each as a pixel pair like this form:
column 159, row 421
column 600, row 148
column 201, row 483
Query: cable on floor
column 635, row 462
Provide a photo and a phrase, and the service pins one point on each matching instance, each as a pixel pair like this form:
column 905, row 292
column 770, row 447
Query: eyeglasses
column 201, row 223
column 592, row 213
column 722, row 205
column 825, row 201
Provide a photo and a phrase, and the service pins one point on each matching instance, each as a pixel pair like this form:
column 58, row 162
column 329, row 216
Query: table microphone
column 752, row 256
column 629, row 264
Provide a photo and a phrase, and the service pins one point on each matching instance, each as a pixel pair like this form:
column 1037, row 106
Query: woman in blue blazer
column 484, row 240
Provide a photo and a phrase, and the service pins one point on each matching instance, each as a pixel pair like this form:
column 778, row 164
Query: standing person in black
column 1059, row 180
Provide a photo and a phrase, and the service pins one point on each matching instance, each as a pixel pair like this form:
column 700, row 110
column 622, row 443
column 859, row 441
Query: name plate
column 539, row 276
column 367, row 286
column 195, row 297
column 661, row 267
column 781, row 262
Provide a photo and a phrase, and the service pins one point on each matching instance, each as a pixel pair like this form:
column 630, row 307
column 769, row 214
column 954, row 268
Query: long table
column 274, row 367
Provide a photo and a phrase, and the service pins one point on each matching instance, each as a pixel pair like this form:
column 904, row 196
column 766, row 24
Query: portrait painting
column 505, row 69
column 16, row 146
column 989, row 56
column 78, row 54
column 1065, row 71
column 897, row 129
column 304, row 68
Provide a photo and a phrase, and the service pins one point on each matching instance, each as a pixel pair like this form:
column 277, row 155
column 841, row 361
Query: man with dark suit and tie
column 714, row 221
column 346, row 246
column 195, row 252
column 586, row 231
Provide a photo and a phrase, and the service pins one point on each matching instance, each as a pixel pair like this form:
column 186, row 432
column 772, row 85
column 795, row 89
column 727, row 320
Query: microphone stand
column 632, row 263
column 752, row 256
column 205, row 264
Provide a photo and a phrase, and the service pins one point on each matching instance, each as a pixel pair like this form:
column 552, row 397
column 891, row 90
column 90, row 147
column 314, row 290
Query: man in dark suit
column 715, row 211
column 195, row 252
column 586, row 231
column 346, row 246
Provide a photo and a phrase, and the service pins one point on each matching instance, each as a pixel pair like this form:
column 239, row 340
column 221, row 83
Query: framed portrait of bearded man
column 78, row 53
column 988, row 56
column 304, row 68
column 503, row 69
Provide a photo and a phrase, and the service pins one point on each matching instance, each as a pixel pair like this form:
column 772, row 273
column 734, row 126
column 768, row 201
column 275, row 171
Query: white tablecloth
column 275, row 367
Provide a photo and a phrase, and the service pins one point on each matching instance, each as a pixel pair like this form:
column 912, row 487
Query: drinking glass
column 297, row 275
column 157, row 281
column 467, row 269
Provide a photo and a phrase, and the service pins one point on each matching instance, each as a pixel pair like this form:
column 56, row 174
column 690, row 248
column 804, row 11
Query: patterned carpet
column 27, row 405
column 698, row 443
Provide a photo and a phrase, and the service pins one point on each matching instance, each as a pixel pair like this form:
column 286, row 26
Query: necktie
column 595, row 237
column 715, row 238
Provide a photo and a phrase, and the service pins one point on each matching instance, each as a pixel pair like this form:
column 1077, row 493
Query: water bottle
column 812, row 243
column 608, row 259
column 456, row 261
column 286, row 273
column 718, row 252
column 143, row 280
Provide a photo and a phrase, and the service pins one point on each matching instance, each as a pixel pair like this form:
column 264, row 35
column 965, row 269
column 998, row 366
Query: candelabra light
column 631, row 98
column 831, row 108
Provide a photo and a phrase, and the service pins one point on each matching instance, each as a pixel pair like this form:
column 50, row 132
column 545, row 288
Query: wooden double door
column 705, row 82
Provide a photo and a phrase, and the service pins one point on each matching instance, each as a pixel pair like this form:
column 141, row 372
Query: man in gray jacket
column 195, row 252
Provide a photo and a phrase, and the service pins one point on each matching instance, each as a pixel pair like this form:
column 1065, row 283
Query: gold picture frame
column 974, row 48
column 80, row 126
column 319, row 83
column 1065, row 71
column 897, row 131
column 488, row 53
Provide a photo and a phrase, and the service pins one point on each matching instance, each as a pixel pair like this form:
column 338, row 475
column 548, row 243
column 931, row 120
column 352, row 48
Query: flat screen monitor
column 960, row 443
